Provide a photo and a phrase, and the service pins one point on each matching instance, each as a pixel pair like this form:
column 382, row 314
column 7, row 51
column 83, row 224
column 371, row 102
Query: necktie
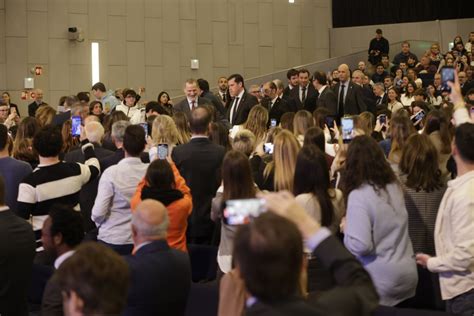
column 341, row 102
column 193, row 103
column 303, row 94
column 234, row 110
column 379, row 100
column 223, row 97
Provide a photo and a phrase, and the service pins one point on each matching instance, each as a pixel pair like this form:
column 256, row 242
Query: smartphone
column 76, row 125
column 239, row 212
column 447, row 74
column 162, row 151
column 383, row 118
column 273, row 122
column 416, row 118
column 330, row 121
column 347, row 124
column 145, row 128
column 268, row 148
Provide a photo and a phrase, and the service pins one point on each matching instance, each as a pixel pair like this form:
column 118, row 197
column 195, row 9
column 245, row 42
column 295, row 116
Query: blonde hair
column 257, row 122
column 182, row 125
column 302, row 121
column 365, row 122
column 45, row 115
column 164, row 130
column 244, row 141
column 285, row 152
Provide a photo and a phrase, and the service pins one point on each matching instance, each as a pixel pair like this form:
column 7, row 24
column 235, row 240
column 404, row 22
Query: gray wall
column 353, row 39
column 150, row 43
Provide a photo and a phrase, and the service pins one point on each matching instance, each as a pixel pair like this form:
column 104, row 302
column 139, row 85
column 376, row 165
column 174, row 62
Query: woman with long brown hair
column 45, row 115
column 237, row 183
column 302, row 121
column 23, row 144
column 182, row 124
column 376, row 227
column 401, row 127
column 257, row 123
column 437, row 129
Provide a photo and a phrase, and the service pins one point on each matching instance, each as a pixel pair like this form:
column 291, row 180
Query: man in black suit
column 94, row 132
column 380, row 96
column 269, row 257
column 62, row 232
column 65, row 115
column 292, row 76
column 33, row 106
column 350, row 100
column 378, row 46
column 327, row 98
column 242, row 102
column 192, row 100
column 199, row 162
column 160, row 275
column 222, row 94
column 118, row 132
column 219, row 109
column 17, row 250
column 304, row 96
column 275, row 105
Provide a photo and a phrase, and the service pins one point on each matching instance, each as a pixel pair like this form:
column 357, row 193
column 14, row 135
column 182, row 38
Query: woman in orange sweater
column 163, row 183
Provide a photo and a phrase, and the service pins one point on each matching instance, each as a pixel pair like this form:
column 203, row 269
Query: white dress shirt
column 59, row 260
column 111, row 212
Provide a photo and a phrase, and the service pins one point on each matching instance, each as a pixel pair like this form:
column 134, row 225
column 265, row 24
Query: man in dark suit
column 199, row 162
column 292, row 76
column 222, row 94
column 350, row 100
column 94, row 132
column 192, row 99
column 219, row 109
column 275, row 105
column 160, row 275
column 33, row 106
column 69, row 103
column 17, row 250
column 304, row 96
column 380, row 96
column 241, row 103
column 274, row 284
column 327, row 98
column 62, row 232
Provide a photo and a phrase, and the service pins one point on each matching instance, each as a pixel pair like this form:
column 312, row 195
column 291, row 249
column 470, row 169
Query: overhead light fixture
column 95, row 63
column 291, row 1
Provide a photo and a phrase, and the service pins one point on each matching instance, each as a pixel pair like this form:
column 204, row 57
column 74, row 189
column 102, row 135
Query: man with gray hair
column 94, row 132
column 380, row 95
column 160, row 275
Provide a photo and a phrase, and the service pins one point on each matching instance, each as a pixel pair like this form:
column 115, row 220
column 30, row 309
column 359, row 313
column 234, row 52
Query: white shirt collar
column 195, row 100
column 4, row 208
column 241, row 94
column 320, row 90
column 143, row 244
column 274, row 100
column 59, row 260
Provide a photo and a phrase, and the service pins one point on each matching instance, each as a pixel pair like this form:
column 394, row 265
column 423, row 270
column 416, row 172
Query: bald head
column 200, row 120
column 94, row 131
column 343, row 70
column 150, row 221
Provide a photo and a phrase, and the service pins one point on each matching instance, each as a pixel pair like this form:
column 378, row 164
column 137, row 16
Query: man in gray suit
column 192, row 99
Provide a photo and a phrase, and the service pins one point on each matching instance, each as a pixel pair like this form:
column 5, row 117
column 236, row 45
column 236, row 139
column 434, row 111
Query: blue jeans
column 462, row 304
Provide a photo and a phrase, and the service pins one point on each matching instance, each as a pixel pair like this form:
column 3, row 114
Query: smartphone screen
column 330, row 121
column 268, row 148
column 162, row 151
column 145, row 128
column 239, row 212
column 273, row 122
column 417, row 118
column 447, row 74
column 76, row 126
column 382, row 118
column 347, row 129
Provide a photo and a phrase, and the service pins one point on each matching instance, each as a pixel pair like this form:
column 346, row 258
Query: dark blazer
column 89, row 191
column 199, row 162
column 287, row 91
column 32, row 107
column 278, row 109
column 354, row 103
column 328, row 99
column 118, row 155
column 221, row 100
column 160, row 281
column 354, row 293
column 62, row 117
column 247, row 102
column 216, row 103
column 309, row 103
column 17, row 250
column 183, row 105
column 52, row 302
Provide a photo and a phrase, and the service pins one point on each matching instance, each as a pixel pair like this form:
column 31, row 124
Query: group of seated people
column 366, row 197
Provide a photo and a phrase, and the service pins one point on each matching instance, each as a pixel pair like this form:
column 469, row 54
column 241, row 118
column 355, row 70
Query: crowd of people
column 372, row 167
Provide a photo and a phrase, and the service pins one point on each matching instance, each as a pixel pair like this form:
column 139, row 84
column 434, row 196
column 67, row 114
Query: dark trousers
column 122, row 250
column 462, row 304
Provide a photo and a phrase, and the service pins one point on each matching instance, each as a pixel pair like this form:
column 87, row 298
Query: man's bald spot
column 151, row 212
